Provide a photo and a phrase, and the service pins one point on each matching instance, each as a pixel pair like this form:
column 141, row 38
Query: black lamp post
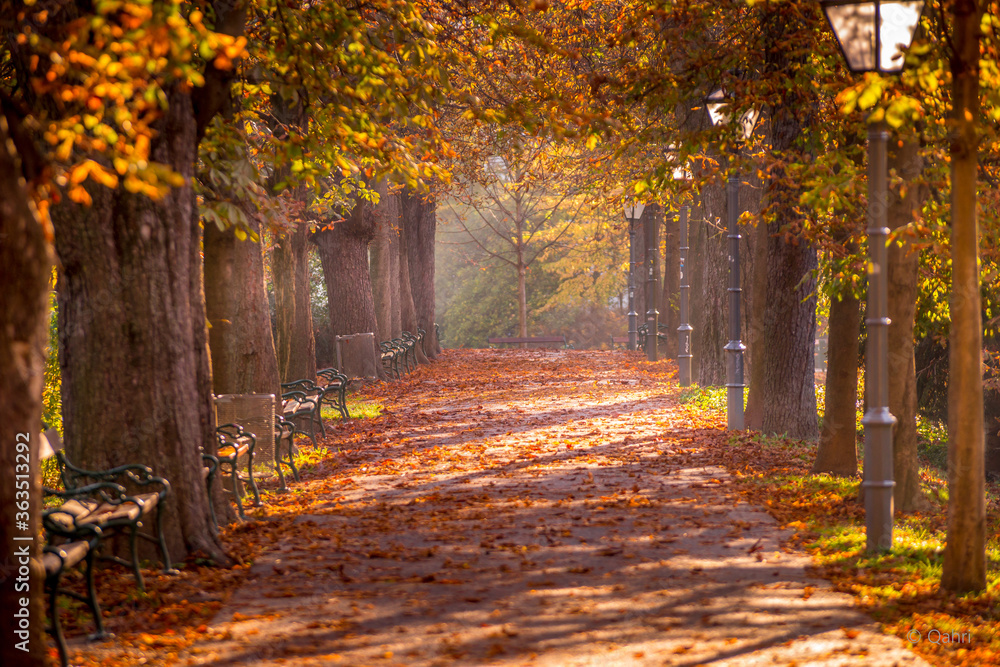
column 633, row 211
column 716, row 104
column 872, row 37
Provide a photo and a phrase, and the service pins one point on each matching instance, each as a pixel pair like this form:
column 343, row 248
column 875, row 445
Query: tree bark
column 965, row 550
column 385, row 264
column 407, row 307
column 343, row 252
column 711, row 301
column 838, row 441
column 788, row 388
column 240, row 339
column 756, row 334
column 670, row 295
column 294, row 335
column 25, row 269
column 640, row 267
column 522, row 298
column 136, row 375
column 421, row 226
column 902, row 273
column 787, row 401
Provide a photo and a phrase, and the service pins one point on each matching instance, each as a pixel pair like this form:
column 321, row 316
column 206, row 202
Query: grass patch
column 932, row 442
column 900, row 588
column 358, row 408
column 307, row 458
column 707, row 398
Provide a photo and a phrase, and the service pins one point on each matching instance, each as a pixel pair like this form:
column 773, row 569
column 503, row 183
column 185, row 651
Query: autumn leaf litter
column 530, row 507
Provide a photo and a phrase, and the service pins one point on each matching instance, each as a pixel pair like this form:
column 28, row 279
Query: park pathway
column 533, row 508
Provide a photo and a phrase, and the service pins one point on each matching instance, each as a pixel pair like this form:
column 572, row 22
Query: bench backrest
column 530, row 339
column 255, row 413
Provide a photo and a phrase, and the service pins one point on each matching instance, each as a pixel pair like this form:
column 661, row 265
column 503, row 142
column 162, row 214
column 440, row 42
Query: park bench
column 502, row 340
column 411, row 341
column 619, row 340
column 236, row 443
column 94, row 505
column 69, row 542
column 390, row 358
column 258, row 415
column 123, row 513
column 284, row 446
column 421, row 339
column 399, row 355
column 403, row 346
column 661, row 335
column 302, row 406
column 334, row 384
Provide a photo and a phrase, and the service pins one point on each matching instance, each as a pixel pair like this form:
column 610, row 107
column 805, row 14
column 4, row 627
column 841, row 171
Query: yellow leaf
column 79, row 195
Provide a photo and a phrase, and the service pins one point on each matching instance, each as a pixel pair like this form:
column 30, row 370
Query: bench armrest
column 231, row 434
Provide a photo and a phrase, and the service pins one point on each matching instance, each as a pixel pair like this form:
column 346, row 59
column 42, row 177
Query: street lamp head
column 873, row 36
column 634, row 209
column 680, row 172
column 718, row 111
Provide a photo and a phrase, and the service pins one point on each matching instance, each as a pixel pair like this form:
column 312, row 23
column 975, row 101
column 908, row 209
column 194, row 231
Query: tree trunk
column 965, row 550
column 902, row 272
column 25, row 269
column 711, row 301
column 838, row 441
column 343, row 252
column 522, row 296
column 640, row 268
column 136, row 375
column 788, row 373
column 385, row 264
column 756, row 336
column 421, row 225
column 295, row 339
column 670, row 295
column 787, row 402
column 243, row 356
column 407, row 308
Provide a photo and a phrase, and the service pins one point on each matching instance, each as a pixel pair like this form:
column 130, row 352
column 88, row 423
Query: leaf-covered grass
column 932, row 442
column 706, row 398
column 900, row 588
column 357, row 407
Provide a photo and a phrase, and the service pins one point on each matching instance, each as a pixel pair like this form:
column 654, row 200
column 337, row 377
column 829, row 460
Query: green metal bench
column 236, row 443
column 284, row 450
column 302, row 407
column 125, row 515
column 540, row 340
column 411, row 341
column 619, row 341
column 68, row 543
column 334, row 385
column 390, row 358
column 662, row 333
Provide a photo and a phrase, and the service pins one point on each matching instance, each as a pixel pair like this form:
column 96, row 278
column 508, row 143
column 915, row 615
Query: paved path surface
column 569, row 519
